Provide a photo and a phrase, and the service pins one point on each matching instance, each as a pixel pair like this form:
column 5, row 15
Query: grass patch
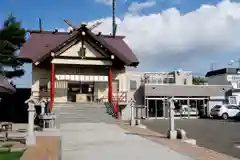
column 11, row 155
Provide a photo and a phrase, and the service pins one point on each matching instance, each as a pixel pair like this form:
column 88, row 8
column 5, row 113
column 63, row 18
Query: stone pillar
column 137, row 110
column 43, row 105
column 172, row 133
column 31, row 139
column 132, row 107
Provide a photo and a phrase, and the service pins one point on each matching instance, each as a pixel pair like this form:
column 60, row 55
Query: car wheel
column 225, row 116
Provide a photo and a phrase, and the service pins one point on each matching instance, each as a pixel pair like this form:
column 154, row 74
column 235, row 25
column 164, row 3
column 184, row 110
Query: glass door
column 159, row 108
column 151, row 108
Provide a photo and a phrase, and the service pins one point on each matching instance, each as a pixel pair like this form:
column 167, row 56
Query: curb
column 60, row 149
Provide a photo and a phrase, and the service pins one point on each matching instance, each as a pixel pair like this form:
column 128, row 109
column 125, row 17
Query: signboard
column 83, row 78
column 233, row 77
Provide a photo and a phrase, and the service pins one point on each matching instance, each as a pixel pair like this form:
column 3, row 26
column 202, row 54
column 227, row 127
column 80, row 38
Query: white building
column 227, row 76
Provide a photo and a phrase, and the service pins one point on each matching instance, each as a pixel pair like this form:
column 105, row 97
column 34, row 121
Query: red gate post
column 52, row 87
column 110, row 85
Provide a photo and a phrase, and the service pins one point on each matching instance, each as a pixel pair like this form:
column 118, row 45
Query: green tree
column 12, row 37
column 198, row 80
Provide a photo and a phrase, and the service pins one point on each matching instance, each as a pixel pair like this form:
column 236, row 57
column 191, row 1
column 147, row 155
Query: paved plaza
column 219, row 135
column 88, row 133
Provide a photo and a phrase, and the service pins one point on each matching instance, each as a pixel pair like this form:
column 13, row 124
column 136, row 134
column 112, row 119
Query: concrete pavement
column 91, row 141
column 88, row 133
column 222, row 135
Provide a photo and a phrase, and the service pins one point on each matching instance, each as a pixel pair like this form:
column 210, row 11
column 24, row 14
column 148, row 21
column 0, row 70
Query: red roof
column 40, row 44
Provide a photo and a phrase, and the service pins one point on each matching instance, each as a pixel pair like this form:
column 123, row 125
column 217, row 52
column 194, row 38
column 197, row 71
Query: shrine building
column 79, row 66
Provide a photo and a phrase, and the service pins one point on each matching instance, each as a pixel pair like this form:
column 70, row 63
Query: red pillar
column 110, row 85
column 52, row 86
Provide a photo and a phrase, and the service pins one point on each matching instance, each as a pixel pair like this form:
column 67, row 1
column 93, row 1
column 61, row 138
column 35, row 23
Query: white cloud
column 61, row 29
column 106, row 2
column 64, row 29
column 136, row 7
column 170, row 39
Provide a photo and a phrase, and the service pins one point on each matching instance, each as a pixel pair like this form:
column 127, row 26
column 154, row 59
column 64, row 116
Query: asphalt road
column 219, row 135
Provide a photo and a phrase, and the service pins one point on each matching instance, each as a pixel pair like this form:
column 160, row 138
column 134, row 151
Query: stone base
column 30, row 140
column 172, row 134
column 190, row 141
column 133, row 122
column 181, row 134
column 138, row 122
column 142, row 126
column 50, row 129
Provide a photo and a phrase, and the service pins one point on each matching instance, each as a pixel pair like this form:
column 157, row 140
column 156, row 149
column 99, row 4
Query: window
column 159, row 81
column 217, row 106
column 133, row 85
column 43, row 84
column 115, row 86
column 238, row 84
column 232, row 100
column 232, row 107
column 184, row 81
column 168, row 81
column 154, row 80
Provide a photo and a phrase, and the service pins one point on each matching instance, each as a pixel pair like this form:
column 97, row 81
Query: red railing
column 120, row 97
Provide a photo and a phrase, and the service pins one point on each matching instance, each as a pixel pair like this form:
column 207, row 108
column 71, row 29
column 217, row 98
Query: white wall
column 37, row 75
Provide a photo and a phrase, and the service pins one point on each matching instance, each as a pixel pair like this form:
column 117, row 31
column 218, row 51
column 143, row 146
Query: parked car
column 225, row 111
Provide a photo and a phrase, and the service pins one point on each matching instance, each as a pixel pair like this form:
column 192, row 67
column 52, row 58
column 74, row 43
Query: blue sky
column 53, row 12
column 164, row 34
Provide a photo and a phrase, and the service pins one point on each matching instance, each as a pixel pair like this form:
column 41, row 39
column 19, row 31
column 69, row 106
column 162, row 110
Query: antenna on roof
column 40, row 24
column 95, row 25
column 70, row 24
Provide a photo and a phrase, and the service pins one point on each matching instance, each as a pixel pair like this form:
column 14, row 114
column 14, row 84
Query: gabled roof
column 41, row 44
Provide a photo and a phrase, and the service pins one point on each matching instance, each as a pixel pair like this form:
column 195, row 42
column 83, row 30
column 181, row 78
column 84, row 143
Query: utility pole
column 113, row 18
column 213, row 66
column 238, row 63
column 40, row 24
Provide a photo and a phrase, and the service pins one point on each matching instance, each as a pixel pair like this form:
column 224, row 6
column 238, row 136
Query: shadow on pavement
column 145, row 135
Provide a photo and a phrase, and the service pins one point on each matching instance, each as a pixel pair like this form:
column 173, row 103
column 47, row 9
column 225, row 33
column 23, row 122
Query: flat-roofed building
column 191, row 99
